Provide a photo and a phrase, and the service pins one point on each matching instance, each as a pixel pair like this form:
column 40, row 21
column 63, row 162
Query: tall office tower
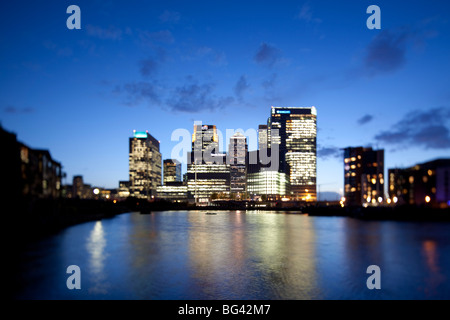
column 172, row 171
column 144, row 165
column 207, row 170
column 205, row 142
column 262, row 137
column 363, row 176
column 237, row 159
column 294, row 130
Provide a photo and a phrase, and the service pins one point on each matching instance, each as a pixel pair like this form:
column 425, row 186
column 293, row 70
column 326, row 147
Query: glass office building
column 294, row 130
column 144, row 165
column 237, row 159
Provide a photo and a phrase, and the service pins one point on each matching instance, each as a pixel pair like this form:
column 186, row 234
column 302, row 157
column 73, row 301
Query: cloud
column 136, row 92
column 193, row 97
column 170, row 16
column 269, row 86
column 365, row 119
column 150, row 38
column 14, row 110
column 422, row 128
column 326, row 153
column 241, row 86
column 60, row 51
column 387, row 51
column 306, row 15
column 267, row 55
column 150, row 65
column 208, row 54
column 110, row 33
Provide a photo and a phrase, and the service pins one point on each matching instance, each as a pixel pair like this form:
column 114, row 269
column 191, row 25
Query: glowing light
column 115, row 201
column 427, row 199
column 389, row 201
column 343, row 199
column 395, row 199
column 380, row 199
column 96, row 191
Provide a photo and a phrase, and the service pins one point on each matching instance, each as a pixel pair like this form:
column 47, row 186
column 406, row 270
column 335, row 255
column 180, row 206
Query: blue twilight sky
column 161, row 65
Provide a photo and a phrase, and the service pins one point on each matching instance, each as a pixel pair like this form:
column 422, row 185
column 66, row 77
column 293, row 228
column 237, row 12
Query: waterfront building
column 263, row 178
column 172, row 171
column 363, row 176
column 28, row 172
column 294, row 131
column 208, row 173
column 144, row 165
column 173, row 191
column 237, row 159
column 423, row 183
column 263, row 137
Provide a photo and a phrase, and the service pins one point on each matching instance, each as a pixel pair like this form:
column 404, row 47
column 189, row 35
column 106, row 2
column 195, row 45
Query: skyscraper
column 295, row 132
column 237, row 159
column 262, row 137
column 363, row 176
column 172, row 171
column 144, row 165
column 207, row 170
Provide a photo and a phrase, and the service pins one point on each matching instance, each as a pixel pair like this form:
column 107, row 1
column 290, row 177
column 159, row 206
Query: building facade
column 294, row 130
column 208, row 173
column 144, row 165
column 363, row 176
column 237, row 159
column 172, row 171
column 423, row 183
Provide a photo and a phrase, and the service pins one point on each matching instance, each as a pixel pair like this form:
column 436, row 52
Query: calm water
column 238, row 255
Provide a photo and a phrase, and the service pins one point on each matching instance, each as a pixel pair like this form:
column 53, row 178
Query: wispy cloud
column 150, row 65
column 329, row 152
column 193, row 97
column 306, row 14
column 424, row 128
column 387, row 51
column 150, row 38
column 241, row 86
column 170, row 16
column 110, row 33
column 140, row 92
column 15, row 110
column 365, row 119
column 62, row 51
column 267, row 55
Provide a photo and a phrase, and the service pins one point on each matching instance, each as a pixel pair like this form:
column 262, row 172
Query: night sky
column 161, row 65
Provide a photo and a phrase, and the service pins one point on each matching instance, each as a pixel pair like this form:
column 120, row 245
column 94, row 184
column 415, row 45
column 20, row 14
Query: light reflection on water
column 240, row 255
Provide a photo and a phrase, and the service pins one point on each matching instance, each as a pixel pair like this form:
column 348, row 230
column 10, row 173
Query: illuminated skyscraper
column 262, row 137
column 296, row 138
column 237, row 159
column 144, row 165
column 172, row 171
column 207, row 170
column 363, row 176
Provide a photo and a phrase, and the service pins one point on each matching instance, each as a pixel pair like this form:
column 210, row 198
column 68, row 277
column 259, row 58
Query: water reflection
column 264, row 256
column 240, row 255
column 95, row 246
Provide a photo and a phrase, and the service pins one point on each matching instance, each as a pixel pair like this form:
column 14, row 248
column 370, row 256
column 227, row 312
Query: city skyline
column 159, row 67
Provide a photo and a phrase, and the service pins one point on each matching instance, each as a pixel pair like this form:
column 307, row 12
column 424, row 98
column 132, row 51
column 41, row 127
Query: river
column 238, row 255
